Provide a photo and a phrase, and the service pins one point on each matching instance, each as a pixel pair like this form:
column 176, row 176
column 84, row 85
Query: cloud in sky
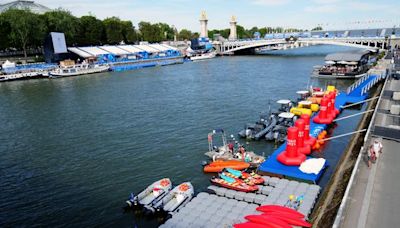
column 185, row 13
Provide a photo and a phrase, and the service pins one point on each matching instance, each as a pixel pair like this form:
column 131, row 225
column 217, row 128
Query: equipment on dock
column 151, row 195
column 218, row 166
column 278, row 208
column 175, row 199
column 291, row 156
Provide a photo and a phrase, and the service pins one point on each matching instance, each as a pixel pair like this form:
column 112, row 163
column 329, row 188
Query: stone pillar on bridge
column 233, row 34
column 203, row 24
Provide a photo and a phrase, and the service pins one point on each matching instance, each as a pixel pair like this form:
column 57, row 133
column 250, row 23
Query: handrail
column 339, row 215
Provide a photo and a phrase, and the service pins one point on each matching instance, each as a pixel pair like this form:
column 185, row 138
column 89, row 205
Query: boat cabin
column 285, row 105
column 346, row 64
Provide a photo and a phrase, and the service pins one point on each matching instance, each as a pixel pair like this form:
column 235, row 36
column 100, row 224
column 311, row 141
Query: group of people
column 374, row 150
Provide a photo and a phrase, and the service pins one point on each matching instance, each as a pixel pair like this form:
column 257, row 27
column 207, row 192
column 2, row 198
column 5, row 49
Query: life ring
column 183, row 187
column 164, row 183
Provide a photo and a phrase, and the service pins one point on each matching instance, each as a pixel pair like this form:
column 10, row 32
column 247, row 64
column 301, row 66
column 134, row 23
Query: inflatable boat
column 175, row 199
column 152, row 194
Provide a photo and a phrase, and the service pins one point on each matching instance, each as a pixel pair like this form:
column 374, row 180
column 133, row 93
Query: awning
column 343, row 62
column 352, row 63
column 330, row 62
column 283, row 102
column 287, row 115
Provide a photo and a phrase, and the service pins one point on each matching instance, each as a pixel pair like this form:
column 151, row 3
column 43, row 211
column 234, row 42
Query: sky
column 305, row 14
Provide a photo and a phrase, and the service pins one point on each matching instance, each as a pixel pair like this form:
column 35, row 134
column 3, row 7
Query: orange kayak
column 218, row 166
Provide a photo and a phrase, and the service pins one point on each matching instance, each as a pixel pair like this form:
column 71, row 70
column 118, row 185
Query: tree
column 185, row 34
column 113, row 29
column 91, row 31
column 167, row 32
column 25, row 28
column 5, row 29
column 61, row 20
column 128, row 32
column 149, row 32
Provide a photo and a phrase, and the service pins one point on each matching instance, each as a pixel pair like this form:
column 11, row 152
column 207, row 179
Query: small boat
column 203, row 56
column 78, row 69
column 248, row 178
column 278, row 133
column 218, row 166
column 176, row 199
column 232, row 183
column 224, row 153
column 270, row 221
column 152, row 194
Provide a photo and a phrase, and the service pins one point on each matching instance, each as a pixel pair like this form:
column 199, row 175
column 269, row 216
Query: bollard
column 301, row 147
column 308, row 139
column 290, row 156
column 322, row 117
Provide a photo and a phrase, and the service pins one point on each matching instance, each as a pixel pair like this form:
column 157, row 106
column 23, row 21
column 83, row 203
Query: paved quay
column 373, row 197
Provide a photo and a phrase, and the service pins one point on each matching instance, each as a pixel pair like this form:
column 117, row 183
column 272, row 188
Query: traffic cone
column 290, row 156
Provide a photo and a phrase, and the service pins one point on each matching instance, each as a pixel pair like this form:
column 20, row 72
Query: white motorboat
column 78, row 69
column 203, row 56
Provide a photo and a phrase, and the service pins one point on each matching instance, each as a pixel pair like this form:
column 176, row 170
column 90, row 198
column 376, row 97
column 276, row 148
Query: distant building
column 21, row 4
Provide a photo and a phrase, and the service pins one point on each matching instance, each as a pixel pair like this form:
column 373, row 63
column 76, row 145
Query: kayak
column 232, row 183
column 250, row 225
column 277, row 208
column 248, row 178
column 268, row 221
column 284, row 214
column 289, row 220
column 218, row 166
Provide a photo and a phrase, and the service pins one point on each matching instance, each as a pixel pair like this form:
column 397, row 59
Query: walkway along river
column 72, row 149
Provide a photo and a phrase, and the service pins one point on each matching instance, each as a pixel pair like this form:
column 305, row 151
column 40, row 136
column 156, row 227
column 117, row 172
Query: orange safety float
column 164, row 182
column 183, row 187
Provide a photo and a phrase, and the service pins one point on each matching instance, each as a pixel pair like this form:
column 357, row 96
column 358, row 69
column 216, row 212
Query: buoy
column 308, row 139
column 301, row 147
column 333, row 97
column 323, row 117
column 290, row 156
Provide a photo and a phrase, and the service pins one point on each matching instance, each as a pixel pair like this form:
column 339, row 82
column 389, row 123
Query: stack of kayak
column 274, row 216
column 159, row 197
column 238, row 180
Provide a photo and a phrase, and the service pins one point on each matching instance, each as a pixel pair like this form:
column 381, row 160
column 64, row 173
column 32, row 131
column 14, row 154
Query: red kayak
column 277, row 208
column 291, row 221
column 249, row 225
column 268, row 221
column 284, row 214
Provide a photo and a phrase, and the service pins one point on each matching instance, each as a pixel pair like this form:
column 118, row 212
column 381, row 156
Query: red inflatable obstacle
column 333, row 98
column 308, row 140
column 323, row 117
column 290, row 156
column 269, row 221
column 301, row 146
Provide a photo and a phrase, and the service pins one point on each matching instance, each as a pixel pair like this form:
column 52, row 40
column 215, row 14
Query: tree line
column 24, row 30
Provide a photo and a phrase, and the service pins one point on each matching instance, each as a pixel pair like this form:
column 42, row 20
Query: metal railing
column 342, row 207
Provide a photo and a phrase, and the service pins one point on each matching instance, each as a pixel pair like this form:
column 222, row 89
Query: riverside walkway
column 373, row 198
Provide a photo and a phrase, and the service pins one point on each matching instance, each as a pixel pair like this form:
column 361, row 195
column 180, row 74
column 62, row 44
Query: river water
column 72, row 149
